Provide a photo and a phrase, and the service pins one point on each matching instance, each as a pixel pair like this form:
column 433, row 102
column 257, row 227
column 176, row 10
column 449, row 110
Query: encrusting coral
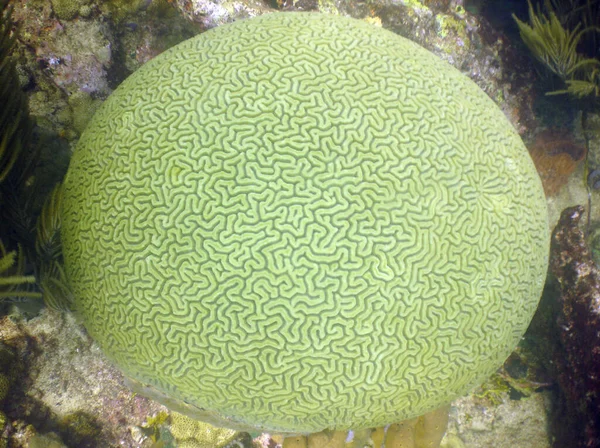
column 359, row 435
column 190, row 433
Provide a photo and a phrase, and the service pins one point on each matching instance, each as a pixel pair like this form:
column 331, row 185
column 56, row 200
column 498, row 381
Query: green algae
column 446, row 26
column 79, row 428
column 83, row 107
column 119, row 10
column 68, row 9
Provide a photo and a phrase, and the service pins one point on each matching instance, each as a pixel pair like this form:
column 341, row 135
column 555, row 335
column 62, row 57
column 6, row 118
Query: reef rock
column 579, row 327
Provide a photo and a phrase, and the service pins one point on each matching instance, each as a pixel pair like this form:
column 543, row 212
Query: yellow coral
column 425, row 431
column 190, row 433
column 431, row 427
column 295, row 442
column 327, row 439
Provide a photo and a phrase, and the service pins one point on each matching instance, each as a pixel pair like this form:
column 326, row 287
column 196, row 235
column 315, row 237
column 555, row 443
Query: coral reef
column 119, row 10
column 444, row 27
column 8, row 373
column 563, row 37
column 66, row 388
column 578, row 326
column 83, row 107
column 84, row 70
column 293, row 257
column 45, row 441
column 97, row 389
column 422, row 432
column 591, row 129
column 135, row 35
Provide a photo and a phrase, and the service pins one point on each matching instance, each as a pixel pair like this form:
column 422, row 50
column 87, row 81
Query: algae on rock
column 68, row 9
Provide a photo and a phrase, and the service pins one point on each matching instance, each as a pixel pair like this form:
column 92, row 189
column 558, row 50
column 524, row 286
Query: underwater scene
column 299, row 223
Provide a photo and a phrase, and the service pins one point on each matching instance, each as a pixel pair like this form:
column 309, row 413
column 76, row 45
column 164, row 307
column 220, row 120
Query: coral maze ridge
column 320, row 220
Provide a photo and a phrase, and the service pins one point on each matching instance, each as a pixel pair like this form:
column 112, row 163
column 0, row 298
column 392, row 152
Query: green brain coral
column 301, row 221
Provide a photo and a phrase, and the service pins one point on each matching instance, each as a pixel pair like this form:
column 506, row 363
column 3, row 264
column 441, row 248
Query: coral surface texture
column 302, row 221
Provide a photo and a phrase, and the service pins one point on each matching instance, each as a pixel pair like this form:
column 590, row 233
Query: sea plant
column 29, row 238
column 556, row 47
column 52, row 278
column 12, row 275
column 16, row 164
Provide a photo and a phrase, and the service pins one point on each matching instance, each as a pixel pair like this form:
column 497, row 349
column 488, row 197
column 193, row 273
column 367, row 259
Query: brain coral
column 301, row 221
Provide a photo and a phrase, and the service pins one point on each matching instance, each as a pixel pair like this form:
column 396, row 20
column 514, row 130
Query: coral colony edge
column 301, row 221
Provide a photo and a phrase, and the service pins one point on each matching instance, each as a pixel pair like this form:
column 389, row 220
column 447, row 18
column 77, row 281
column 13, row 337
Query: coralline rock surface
column 90, row 49
column 579, row 327
column 66, row 386
column 67, row 375
column 510, row 424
